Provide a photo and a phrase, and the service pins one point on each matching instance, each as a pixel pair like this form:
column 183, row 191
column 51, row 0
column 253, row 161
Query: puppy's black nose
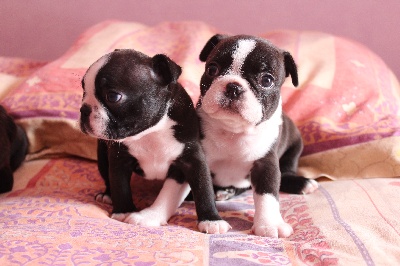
column 233, row 91
column 85, row 110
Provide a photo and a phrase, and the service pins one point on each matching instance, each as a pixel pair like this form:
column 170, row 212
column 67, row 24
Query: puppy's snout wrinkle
column 233, row 91
column 85, row 110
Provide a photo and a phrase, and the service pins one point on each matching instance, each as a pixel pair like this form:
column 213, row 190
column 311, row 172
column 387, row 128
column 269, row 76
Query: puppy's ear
column 212, row 42
column 166, row 70
column 291, row 68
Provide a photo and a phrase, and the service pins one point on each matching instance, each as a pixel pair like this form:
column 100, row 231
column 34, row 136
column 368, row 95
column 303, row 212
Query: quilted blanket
column 346, row 108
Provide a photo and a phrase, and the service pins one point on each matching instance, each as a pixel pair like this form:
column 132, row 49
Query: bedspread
column 54, row 220
column 346, row 108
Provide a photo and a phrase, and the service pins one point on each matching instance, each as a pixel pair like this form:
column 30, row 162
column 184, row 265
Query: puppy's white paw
column 143, row 218
column 103, row 198
column 119, row 216
column 311, row 186
column 280, row 230
column 214, row 227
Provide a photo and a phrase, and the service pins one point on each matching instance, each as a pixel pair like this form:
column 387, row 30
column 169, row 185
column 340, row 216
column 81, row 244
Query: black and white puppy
column 248, row 140
column 14, row 147
column 146, row 123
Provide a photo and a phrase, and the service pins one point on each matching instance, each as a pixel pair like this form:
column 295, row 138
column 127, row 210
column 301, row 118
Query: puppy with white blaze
column 247, row 139
column 146, row 123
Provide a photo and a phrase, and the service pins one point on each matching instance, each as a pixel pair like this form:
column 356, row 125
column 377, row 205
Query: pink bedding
column 346, row 108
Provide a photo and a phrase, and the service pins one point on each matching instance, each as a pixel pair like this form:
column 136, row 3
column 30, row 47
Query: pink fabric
column 51, row 217
column 347, row 98
column 346, row 108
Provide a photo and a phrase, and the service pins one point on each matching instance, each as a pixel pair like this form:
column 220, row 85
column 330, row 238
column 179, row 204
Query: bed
column 346, row 107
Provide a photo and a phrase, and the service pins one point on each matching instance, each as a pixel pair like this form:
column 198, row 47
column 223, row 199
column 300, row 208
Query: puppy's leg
column 168, row 200
column 198, row 175
column 268, row 220
column 19, row 148
column 121, row 165
column 290, row 181
column 6, row 179
column 265, row 178
column 102, row 165
column 295, row 184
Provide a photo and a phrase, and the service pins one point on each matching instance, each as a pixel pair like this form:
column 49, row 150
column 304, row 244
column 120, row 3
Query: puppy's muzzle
column 85, row 110
column 233, row 91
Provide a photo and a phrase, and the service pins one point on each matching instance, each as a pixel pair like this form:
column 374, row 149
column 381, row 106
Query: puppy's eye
column 212, row 70
column 267, row 81
column 113, row 97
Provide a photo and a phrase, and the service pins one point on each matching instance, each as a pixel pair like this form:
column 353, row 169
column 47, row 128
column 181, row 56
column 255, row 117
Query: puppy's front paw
column 214, row 227
column 146, row 218
column 143, row 218
column 120, row 216
column 280, row 230
column 310, row 187
column 103, row 198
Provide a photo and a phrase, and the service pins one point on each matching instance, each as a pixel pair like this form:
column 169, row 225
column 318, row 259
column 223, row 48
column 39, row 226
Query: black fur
column 151, row 85
column 277, row 170
column 291, row 68
column 14, row 147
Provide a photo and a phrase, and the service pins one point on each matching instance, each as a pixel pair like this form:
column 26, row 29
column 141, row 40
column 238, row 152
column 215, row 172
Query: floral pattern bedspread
column 51, row 218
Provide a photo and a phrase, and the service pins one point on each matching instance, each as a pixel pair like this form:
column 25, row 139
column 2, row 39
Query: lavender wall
column 44, row 29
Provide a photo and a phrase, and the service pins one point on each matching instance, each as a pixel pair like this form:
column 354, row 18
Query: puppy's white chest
column 155, row 149
column 230, row 156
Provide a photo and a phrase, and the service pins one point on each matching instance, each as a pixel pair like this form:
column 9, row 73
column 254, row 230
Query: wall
column 44, row 29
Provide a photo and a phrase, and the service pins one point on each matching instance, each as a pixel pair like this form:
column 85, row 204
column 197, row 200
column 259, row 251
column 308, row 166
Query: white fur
column 103, row 198
column 235, row 115
column 155, row 148
column 214, row 227
column 168, row 200
column 239, row 55
column 230, row 155
column 310, row 187
column 268, row 220
column 98, row 117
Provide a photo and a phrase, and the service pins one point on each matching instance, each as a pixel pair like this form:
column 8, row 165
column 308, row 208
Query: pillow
column 13, row 71
column 345, row 105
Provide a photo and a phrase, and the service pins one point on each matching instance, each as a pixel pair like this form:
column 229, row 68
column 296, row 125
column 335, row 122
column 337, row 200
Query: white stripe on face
column 245, row 47
column 98, row 118
column 248, row 106
column 89, row 80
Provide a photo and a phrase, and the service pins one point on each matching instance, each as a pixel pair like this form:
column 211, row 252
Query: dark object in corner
column 13, row 149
